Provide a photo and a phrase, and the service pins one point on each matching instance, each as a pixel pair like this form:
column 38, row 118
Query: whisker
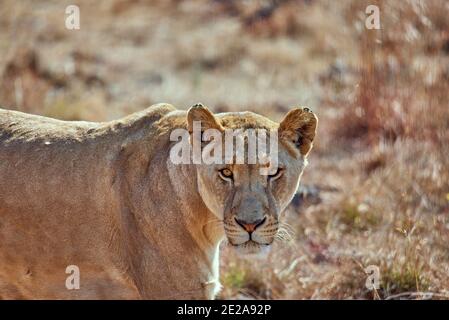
column 284, row 235
column 287, row 226
column 287, row 229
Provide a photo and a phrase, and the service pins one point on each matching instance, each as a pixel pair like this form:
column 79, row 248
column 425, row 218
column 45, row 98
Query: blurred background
column 376, row 191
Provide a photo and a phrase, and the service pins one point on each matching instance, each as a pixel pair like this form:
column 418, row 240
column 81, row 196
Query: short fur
column 105, row 197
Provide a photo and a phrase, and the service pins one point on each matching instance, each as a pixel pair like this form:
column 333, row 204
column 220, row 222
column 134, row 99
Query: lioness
column 106, row 198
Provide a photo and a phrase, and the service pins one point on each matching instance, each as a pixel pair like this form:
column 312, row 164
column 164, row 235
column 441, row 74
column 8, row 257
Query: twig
column 424, row 295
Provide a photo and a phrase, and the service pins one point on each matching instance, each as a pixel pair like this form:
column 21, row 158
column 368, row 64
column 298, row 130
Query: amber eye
column 225, row 174
column 278, row 174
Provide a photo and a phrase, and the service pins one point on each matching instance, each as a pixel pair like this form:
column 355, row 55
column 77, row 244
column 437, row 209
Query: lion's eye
column 278, row 174
column 225, row 174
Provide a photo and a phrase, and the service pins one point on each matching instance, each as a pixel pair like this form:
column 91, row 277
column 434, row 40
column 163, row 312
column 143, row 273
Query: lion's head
column 247, row 202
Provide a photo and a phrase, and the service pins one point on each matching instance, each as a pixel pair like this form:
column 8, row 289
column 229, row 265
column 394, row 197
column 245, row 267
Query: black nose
column 250, row 226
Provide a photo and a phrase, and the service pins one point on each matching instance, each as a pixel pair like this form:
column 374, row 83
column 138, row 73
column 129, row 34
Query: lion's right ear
column 202, row 115
column 299, row 127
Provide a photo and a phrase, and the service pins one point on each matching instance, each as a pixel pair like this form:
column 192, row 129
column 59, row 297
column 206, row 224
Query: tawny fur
column 104, row 197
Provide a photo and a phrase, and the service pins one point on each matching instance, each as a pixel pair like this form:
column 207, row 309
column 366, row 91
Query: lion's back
column 23, row 127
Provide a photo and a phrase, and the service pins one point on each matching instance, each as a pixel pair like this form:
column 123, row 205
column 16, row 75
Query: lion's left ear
column 204, row 116
column 299, row 127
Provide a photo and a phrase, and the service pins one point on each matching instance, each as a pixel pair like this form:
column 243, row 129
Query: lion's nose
column 250, row 226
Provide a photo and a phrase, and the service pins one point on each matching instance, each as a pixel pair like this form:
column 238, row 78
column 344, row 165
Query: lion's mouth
column 251, row 247
column 250, row 243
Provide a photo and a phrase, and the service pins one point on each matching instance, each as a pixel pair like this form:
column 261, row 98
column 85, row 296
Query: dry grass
column 379, row 170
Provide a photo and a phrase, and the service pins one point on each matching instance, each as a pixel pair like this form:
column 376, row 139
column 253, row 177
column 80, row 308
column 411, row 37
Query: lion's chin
column 251, row 249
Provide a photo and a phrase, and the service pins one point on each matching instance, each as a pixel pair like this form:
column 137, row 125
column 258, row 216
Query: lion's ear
column 201, row 114
column 299, row 127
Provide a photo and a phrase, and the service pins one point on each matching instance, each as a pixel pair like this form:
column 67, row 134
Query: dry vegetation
column 377, row 189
